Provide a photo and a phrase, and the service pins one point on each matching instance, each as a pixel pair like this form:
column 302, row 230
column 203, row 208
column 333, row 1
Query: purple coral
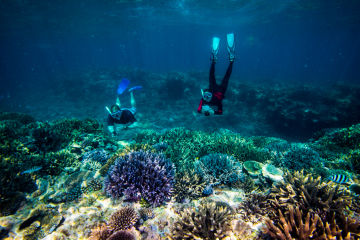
column 141, row 175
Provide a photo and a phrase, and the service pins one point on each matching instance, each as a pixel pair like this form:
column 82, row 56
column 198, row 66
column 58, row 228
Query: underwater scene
column 179, row 119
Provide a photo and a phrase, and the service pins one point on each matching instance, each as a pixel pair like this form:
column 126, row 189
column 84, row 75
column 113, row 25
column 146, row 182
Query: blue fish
column 31, row 170
column 123, row 85
column 339, row 178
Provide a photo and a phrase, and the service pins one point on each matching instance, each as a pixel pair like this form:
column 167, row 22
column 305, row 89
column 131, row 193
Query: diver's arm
column 132, row 100
column 200, row 106
column 111, row 125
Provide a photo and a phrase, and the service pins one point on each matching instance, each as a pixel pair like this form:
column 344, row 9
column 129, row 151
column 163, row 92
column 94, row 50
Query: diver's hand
column 208, row 110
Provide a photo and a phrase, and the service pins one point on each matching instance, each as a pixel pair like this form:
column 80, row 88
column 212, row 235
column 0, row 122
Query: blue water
column 311, row 41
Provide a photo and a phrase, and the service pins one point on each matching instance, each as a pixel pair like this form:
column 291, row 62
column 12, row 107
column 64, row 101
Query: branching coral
column 219, row 168
column 188, row 185
column 301, row 157
column 304, row 207
column 303, row 225
column 308, row 192
column 123, row 219
column 141, row 175
column 208, row 221
column 254, row 208
column 185, row 145
column 293, row 225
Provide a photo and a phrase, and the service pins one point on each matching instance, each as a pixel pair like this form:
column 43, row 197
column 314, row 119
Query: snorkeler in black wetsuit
column 125, row 116
column 213, row 96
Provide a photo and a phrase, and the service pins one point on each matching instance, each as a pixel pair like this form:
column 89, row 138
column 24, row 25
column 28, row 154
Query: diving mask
column 207, row 96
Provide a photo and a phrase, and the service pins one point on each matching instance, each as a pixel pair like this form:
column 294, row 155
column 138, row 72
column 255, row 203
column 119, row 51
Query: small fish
column 31, row 170
column 339, row 178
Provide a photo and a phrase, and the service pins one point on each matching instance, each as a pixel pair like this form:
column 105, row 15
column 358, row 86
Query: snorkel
column 206, row 95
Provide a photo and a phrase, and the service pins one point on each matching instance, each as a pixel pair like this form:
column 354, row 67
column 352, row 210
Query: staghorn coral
column 308, row 192
column 188, row 185
column 294, row 225
column 123, row 219
column 254, row 208
column 141, row 175
column 219, row 168
column 122, row 235
column 208, row 221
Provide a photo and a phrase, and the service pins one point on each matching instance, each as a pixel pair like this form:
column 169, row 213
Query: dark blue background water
column 306, row 41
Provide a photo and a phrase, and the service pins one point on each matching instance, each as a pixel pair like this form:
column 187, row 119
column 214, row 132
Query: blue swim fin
column 123, row 85
column 215, row 48
column 231, row 46
column 135, row 88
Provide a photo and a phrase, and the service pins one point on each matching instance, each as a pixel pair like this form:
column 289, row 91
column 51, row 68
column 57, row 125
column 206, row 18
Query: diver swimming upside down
column 212, row 97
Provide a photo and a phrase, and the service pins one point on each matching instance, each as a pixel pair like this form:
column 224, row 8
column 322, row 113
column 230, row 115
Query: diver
column 119, row 115
column 212, row 97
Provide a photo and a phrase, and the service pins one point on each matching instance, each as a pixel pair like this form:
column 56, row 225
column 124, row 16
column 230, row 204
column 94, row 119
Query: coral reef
column 146, row 213
column 301, row 157
column 308, row 192
column 253, row 168
column 254, row 208
column 123, row 219
column 97, row 155
column 41, row 221
column 208, row 221
column 295, row 225
column 122, row 235
column 188, row 185
column 219, row 169
column 101, row 232
column 141, row 175
column 319, row 209
column 184, row 146
column 298, row 224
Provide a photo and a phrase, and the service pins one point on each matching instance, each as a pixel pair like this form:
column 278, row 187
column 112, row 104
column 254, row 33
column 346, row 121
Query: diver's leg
column 225, row 81
column 132, row 100
column 118, row 102
column 212, row 81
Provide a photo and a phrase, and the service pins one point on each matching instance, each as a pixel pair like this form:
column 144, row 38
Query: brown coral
column 123, row 219
column 101, row 232
column 122, row 235
column 254, row 208
column 296, row 224
column 293, row 225
column 208, row 221
column 188, row 185
column 308, row 193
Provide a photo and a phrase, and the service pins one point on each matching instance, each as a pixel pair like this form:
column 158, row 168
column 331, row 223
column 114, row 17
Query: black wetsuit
column 122, row 116
column 218, row 91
